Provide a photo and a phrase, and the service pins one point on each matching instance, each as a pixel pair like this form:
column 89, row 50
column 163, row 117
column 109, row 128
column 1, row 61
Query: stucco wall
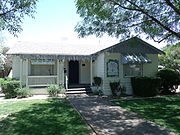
column 16, row 67
column 107, row 80
column 149, row 69
column 98, row 69
column 84, row 72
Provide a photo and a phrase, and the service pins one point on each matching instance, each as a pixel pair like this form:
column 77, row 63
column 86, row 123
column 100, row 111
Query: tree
column 5, row 61
column 2, row 58
column 172, row 57
column 12, row 12
column 156, row 19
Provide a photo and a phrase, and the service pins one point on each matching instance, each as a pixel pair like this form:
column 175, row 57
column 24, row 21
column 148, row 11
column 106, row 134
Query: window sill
column 132, row 76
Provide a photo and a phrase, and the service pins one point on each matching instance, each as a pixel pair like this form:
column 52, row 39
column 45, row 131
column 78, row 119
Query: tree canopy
column 12, row 13
column 172, row 57
column 156, row 19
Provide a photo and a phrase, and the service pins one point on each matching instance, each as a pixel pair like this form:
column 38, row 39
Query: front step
column 78, row 91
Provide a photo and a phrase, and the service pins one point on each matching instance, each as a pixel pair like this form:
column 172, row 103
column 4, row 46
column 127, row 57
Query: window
column 132, row 70
column 39, row 70
column 43, row 68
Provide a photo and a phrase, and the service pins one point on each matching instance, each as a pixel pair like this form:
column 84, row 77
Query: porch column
column 91, row 71
column 21, row 72
column 58, row 72
column 27, row 73
column 61, row 72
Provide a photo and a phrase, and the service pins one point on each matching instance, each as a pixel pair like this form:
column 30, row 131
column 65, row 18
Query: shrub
column 23, row 92
column 9, row 88
column 97, row 81
column 169, row 79
column 54, row 89
column 115, row 87
column 145, row 86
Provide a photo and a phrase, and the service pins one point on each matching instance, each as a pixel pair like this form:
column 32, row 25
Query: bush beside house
column 170, row 79
column 9, row 87
column 115, row 88
column 145, row 86
column 97, row 90
column 23, row 92
column 54, row 90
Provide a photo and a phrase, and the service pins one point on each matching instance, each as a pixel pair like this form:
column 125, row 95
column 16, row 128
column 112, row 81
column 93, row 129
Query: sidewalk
column 2, row 98
column 108, row 119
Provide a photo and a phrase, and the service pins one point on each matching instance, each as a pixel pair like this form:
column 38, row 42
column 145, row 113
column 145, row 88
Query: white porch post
column 27, row 73
column 21, row 72
column 91, row 71
column 58, row 75
column 62, row 72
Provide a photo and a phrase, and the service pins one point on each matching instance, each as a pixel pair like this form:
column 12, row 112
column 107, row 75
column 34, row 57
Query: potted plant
column 97, row 83
column 116, row 88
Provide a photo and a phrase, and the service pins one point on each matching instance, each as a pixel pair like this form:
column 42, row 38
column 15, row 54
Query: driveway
column 108, row 119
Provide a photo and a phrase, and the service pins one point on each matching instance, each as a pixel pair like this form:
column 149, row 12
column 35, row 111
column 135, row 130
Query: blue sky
column 54, row 22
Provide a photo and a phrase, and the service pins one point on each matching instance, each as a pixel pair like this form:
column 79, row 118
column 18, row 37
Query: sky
column 54, row 22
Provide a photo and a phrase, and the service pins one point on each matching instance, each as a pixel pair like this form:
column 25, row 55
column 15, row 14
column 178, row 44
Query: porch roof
column 135, row 58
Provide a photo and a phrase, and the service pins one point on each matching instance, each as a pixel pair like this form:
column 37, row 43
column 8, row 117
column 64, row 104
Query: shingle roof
column 54, row 49
column 133, row 45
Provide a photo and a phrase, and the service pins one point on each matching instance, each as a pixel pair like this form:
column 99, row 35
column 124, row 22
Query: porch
column 70, row 73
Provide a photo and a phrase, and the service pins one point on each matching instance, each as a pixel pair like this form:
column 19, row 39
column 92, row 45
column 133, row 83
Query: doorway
column 73, row 72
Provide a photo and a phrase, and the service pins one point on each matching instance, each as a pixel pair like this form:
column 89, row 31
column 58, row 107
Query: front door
column 73, row 72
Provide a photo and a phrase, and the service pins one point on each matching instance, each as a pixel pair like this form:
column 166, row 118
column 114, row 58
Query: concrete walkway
column 108, row 119
column 2, row 98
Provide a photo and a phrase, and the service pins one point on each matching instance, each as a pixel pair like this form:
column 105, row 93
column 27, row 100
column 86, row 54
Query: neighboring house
column 36, row 64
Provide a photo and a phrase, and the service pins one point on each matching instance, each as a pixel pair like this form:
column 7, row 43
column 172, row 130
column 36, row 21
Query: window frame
column 141, row 70
column 53, row 70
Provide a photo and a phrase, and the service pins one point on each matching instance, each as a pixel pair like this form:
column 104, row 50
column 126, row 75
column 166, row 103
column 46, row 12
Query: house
column 40, row 64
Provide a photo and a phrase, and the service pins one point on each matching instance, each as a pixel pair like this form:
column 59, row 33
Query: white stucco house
column 40, row 64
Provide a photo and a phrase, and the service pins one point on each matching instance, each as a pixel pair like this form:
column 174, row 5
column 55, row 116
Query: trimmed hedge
column 9, row 87
column 145, row 86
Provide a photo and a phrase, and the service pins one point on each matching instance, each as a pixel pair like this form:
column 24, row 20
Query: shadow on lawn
column 110, row 119
column 54, row 117
column 165, row 110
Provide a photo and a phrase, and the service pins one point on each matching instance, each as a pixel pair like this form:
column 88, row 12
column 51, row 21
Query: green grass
column 41, row 117
column 164, row 111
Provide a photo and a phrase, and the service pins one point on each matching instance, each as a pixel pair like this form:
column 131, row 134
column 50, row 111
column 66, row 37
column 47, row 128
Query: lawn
column 164, row 111
column 41, row 117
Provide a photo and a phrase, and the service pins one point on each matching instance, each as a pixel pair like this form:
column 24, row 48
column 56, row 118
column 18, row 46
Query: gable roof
column 53, row 49
column 133, row 45
column 69, row 51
